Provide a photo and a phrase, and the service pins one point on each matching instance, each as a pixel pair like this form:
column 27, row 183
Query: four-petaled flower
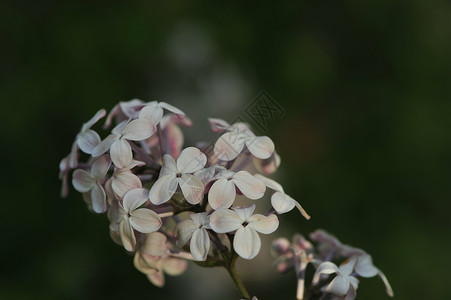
column 196, row 230
column 120, row 150
column 129, row 216
column 344, row 284
column 240, row 219
column 223, row 191
column 179, row 173
column 92, row 182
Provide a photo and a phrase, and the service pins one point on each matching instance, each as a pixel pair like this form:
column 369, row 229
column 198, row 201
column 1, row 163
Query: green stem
column 236, row 278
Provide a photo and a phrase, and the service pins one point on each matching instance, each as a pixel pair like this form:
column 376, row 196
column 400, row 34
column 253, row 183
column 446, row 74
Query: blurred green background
column 365, row 140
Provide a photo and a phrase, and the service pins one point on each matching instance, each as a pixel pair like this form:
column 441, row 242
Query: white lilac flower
column 174, row 174
column 231, row 144
column 124, row 179
column 130, row 217
column 344, row 282
column 195, row 229
column 240, row 219
column 120, row 149
column 223, row 191
column 86, row 139
column 365, row 268
column 280, row 201
column 91, row 182
column 287, row 253
column 329, row 246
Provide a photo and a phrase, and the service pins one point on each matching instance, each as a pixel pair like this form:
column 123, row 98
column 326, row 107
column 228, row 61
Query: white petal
column 246, row 243
column 222, row 194
column 338, row 286
column 365, row 267
column 155, row 244
column 202, row 219
column 123, row 181
column 152, row 113
column 98, row 198
column 135, row 198
column 163, row 189
column 138, row 130
column 191, row 160
column 82, row 181
column 104, row 145
column 224, row 220
column 145, row 220
column 347, row 266
column 200, row 244
column 245, row 212
column 192, row 188
column 282, row 203
column 174, row 266
column 157, row 278
column 218, row 125
column 324, row 268
column 269, row 165
column 274, row 185
column 263, row 224
column 88, row 140
column 353, row 281
column 100, row 167
column 185, row 230
column 127, row 235
column 121, row 153
column 251, row 187
column 169, row 166
column 229, row 145
column 260, row 146
column 129, row 108
column 99, row 115
column 171, row 108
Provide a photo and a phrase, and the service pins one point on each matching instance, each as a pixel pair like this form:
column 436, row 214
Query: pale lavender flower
column 195, row 229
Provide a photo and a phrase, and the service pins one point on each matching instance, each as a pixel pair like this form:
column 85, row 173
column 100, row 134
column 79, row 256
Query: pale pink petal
column 200, row 244
column 129, row 108
column 185, row 230
column 138, row 130
column 123, row 181
column 175, row 138
column 116, row 237
column 127, row 235
column 279, row 246
column 169, row 166
column 152, row 113
column 163, row 189
column 229, row 145
column 171, row 108
column 174, row 266
column 99, row 115
column 104, row 145
column 157, row 278
column 88, row 140
column 365, row 267
column 191, row 160
column 82, row 181
column 145, row 263
column 246, row 243
column 270, row 183
column 224, row 220
column 222, row 194
column 73, row 155
column 100, row 167
column 121, row 153
column 338, row 286
column 269, row 165
column 135, row 198
column 218, row 125
column 251, row 187
column 98, row 198
column 114, row 111
column 155, row 244
column 282, row 203
column 245, row 212
column 145, row 220
column 192, row 188
column 263, row 224
column 260, row 146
